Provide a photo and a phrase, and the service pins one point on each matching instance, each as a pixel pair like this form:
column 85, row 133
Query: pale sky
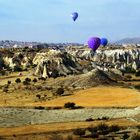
column 50, row 20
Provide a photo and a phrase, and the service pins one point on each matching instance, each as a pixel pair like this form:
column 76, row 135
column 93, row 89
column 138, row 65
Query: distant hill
column 11, row 43
column 129, row 41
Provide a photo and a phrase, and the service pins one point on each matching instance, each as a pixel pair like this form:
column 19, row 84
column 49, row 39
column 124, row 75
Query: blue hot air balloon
column 74, row 16
column 104, row 41
column 94, row 43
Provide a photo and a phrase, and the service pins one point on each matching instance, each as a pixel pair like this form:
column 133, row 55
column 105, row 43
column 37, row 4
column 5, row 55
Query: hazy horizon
column 50, row 21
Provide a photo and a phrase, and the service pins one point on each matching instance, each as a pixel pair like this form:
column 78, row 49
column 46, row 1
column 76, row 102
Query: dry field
column 100, row 97
column 60, row 127
column 92, row 97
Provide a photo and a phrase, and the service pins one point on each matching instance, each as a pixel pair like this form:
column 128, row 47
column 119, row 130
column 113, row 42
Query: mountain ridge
column 134, row 40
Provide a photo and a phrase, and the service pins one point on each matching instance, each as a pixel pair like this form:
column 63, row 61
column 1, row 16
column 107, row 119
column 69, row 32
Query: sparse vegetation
column 43, row 94
column 5, row 89
column 135, row 137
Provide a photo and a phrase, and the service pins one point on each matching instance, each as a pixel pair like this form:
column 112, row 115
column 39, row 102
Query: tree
column 103, row 128
column 28, row 80
column 69, row 105
column 137, row 73
column 38, row 96
column 114, row 128
column 17, row 69
column 80, row 132
column 34, row 80
column 92, row 129
column 125, row 136
column 25, row 83
column 59, row 91
column 8, row 82
column 55, row 73
column 18, row 80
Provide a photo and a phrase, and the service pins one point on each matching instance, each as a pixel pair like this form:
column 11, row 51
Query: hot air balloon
column 74, row 16
column 104, row 41
column 94, row 43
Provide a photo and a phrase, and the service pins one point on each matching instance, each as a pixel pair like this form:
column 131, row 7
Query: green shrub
column 8, row 82
column 25, row 83
column 94, row 135
column 69, row 137
column 125, row 136
column 39, row 107
column 18, row 80
column 137, row 86
column 38, row 96
column 114, row 128
column 103, row 127
column 28, row 80
column 105, row 118
column 56, row 137
column 137, row 73
column 89, row 120
column 92, row 129
column 80, row 132
column 34, row 80
column 69, row 105
column 59, row 91
column 17, row 69
column 129, row 70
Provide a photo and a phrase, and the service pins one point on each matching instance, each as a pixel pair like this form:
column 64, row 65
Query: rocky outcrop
column 55, row 63
column 19, row 60
column 110, row 58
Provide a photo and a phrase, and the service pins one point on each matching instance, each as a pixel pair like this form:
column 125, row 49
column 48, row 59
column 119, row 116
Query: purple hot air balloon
column 94, row 43
column 74, row 16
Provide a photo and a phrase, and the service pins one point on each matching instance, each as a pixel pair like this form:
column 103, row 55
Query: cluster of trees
column 27, row 81
column 95, row 132
column 103, row 130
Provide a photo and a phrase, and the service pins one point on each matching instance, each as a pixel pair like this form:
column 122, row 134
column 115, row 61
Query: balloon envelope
column 74, row 16
column 104, row 41
column 94, row 43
